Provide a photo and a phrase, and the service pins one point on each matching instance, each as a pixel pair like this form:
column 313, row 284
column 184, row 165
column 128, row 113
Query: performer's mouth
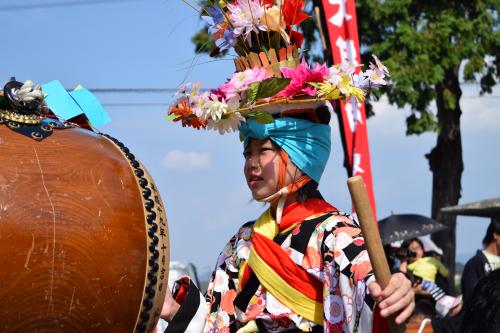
column 255, row 181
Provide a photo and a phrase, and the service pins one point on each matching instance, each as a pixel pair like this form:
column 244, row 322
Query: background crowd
column 471, row 306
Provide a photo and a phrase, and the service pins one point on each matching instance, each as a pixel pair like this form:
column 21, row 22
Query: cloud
column 186, row 160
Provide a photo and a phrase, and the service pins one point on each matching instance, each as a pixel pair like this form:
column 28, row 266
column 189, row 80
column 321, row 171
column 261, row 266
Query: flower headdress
column 269, row 77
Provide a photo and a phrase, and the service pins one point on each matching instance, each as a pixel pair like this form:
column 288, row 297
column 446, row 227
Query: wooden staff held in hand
column 388, row 300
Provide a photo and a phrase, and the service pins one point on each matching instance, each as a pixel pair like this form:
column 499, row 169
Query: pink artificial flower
column 301, row 76
column 240, row 81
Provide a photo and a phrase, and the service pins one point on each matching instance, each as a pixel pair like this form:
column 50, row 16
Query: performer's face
column 262, row 167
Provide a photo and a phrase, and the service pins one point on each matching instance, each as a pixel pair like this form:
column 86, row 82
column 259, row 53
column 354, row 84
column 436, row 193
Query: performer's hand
column 170, row 307
column 397, row 296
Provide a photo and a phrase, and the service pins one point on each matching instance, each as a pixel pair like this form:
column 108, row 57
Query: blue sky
column 146, row 44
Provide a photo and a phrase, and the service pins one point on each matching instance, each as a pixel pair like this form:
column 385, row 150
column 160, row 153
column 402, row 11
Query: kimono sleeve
column 198, row 313
column 347, row 271
column 192, row 313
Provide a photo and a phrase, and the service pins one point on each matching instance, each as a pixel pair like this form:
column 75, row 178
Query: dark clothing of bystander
column 476, row 268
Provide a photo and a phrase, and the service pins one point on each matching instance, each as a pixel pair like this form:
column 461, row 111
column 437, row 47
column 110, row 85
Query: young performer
column 302, row 265
column 310, row 271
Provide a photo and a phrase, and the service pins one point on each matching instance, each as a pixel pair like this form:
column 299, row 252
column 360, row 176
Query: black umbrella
column 406, row 226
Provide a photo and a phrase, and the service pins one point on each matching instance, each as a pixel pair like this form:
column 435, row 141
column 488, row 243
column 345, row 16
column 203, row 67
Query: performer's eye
column 246, row 154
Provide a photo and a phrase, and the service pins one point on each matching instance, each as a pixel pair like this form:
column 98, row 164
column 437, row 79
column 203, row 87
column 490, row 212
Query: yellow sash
column 274, row 283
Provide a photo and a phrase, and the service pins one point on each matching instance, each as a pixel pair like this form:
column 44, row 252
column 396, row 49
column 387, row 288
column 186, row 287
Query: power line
column 59, row 4
column 166, row 104
column 121, row 105
column 172, row 90
column 131, row 90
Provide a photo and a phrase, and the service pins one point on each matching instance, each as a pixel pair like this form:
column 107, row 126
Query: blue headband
column 306, row 143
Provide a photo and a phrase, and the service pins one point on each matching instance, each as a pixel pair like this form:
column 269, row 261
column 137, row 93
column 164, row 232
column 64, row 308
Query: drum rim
column 158, row 247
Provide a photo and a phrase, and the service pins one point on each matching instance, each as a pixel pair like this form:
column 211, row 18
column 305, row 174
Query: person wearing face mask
column 302, row 265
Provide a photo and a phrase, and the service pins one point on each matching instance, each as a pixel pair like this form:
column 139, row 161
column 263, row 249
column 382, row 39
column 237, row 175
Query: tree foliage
column 420, row 41
column 427, row 45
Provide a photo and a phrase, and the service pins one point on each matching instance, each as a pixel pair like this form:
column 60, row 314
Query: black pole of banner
column 321, row 23
column 323, row 30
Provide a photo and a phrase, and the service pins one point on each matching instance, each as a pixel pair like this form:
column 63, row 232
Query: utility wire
column 173, row 90
column 166, row 104
column 59, row 4
column 131, row 90
column 122, row 105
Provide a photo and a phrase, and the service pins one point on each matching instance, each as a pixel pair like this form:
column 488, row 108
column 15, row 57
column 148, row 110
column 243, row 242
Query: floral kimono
column 314, row 274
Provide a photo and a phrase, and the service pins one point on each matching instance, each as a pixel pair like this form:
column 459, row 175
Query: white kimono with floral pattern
column 329, row 247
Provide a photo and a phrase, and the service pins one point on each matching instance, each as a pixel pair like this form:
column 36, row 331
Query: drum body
column 83, row 236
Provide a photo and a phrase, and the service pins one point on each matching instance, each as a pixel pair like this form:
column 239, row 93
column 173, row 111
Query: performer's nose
column 253, row 163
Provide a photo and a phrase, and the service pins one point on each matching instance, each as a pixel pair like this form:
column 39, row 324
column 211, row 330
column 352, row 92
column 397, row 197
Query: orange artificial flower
column 185, row 115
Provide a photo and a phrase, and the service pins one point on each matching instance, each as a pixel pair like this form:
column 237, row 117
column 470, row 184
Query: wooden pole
column 372, row 239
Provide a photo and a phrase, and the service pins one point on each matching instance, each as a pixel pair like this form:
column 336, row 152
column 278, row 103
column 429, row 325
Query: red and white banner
column 342, row 27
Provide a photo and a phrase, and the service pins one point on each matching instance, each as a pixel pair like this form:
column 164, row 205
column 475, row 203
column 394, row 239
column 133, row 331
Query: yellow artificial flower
column 273, row 19
column 330, row 91
column 357, row 92
column 327, row 90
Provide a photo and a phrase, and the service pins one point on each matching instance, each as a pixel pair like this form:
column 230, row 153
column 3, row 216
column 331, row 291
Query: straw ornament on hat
column 270, row 78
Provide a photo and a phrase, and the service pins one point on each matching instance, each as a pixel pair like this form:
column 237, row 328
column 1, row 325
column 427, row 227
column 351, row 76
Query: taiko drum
column 83, row 235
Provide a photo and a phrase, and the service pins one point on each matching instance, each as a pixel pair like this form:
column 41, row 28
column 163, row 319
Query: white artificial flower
column 361, row 80
column 375, row 77
column 339, row 72
column 379, row 66
column 246, row 17
column 347, row 69
column 27, row 94
column 226, row 125
column 198, row 102
column 214, row 108
column 335, row 77
column 182, row 89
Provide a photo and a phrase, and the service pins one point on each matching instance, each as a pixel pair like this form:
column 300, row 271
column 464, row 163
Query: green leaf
column 204, row 43
column 267, row 88
column 426, row 122
column 262, row 117
column 172, row 116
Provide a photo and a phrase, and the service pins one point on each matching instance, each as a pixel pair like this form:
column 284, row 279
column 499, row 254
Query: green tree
column 427, row 45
